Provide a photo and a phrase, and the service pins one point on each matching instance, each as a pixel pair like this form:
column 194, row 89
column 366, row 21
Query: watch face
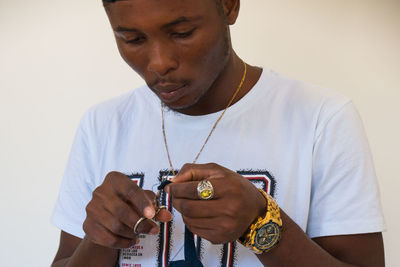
column 267, row 236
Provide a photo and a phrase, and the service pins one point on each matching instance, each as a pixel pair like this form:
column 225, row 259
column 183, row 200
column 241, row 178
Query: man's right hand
column 116, row 205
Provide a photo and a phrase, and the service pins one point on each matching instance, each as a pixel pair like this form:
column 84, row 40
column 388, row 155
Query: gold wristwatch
column 265, row 232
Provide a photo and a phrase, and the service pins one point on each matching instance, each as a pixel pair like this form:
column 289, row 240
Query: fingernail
column 149, row 212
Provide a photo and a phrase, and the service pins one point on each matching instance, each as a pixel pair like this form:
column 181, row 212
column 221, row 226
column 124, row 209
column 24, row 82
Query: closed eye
column 182, row 34
column 137, row 40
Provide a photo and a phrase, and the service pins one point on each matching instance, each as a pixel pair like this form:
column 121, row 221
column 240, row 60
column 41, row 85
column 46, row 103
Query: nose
column 161, row 59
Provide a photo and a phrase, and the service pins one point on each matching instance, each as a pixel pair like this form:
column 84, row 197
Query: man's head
column 179, row 47
column 218, row 4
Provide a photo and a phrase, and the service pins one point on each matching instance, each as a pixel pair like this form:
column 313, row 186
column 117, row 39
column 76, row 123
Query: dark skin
column 237, row 203
column 186, row 58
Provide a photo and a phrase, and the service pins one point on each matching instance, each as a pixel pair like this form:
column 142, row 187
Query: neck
column 221, row 91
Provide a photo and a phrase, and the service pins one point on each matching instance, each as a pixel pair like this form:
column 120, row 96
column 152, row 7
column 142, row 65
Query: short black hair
column 112, row 1
column 218, row 2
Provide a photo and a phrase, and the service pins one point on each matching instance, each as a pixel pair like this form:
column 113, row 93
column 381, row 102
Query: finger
column 124, row 225
column 147, row 227
column 153, row 198
column 125, row 213
column 130, row 217
column 115, row 226
column 200, row 223
column 197, row 172
column 188, row 190
column 108, row 217
column 201, row 209
column 208, row 234
column 101, row 236
column 223, row 226
column 131, row 192
column 212, row 230
column 163, row 215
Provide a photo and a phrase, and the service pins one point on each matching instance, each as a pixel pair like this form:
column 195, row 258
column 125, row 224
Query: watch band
column 264, row 233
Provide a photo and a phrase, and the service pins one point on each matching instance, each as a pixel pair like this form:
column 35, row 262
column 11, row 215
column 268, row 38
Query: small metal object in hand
column 160, row 188
column 205, row 190
column 137, row 224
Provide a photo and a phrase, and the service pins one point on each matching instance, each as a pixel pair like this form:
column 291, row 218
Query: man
column 245, row 128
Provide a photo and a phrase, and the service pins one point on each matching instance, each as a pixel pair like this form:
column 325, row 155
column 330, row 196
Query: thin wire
column 165, row 140
column 213, row 128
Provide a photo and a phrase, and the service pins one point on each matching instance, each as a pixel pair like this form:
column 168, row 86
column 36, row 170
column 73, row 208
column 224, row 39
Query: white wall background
column 58, row 57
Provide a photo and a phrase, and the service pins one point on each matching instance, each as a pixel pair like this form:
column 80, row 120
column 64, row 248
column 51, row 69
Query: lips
column 169, row 92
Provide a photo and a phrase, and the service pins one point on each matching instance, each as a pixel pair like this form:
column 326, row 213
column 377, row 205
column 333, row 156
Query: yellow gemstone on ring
column 205, row 190
column 206, row 193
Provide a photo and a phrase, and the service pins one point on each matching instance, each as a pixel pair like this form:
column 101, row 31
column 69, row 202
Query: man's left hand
column 225, row 217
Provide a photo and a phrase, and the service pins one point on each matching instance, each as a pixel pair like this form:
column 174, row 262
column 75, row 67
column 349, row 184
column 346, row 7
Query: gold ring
column 137, row 224
column 205, row 190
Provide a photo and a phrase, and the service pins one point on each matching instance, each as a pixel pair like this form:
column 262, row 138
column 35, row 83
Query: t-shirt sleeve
column 77, row 184
column 345, row 194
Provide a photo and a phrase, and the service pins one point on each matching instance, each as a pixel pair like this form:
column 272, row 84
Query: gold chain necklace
column 213, row 128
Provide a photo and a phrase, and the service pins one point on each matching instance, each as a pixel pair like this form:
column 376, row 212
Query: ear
column 231, row 10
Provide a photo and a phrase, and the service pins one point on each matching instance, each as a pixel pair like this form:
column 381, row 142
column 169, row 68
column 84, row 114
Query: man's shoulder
column 300, row 91
column 300, row 96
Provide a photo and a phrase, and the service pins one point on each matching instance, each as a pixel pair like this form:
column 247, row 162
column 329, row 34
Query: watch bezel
column 269, row 244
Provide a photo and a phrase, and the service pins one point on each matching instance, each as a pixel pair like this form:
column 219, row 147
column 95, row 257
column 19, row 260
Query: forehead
column 156, row 12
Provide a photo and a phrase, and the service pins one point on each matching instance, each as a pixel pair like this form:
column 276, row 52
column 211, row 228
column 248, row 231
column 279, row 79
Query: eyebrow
column 168, row 25
column 181, row 20
column 125, row 29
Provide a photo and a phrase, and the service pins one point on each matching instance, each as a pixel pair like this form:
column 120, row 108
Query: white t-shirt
column 304, row 145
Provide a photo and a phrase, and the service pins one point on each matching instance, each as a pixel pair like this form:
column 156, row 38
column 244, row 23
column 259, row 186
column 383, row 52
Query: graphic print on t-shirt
column 169, row 244
column 166, row 229
column 136, row 251
column 137, row 178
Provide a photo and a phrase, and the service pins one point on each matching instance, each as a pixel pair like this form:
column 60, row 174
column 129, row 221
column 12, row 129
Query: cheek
column 132, row 57
column 206, row 56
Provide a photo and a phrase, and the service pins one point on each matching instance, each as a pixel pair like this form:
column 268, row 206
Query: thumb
column 195, row 172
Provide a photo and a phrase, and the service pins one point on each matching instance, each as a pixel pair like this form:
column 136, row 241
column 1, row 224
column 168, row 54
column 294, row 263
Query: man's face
column 179, row 47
